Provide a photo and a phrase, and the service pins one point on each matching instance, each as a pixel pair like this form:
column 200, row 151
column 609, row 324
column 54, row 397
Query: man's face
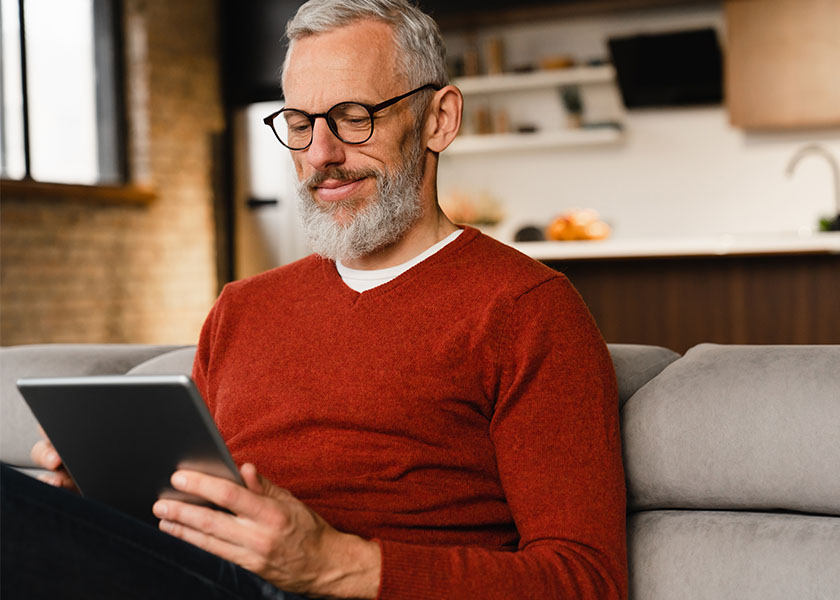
column 355, row 198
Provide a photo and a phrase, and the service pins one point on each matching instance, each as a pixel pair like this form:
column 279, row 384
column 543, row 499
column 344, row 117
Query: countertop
column 783, row 243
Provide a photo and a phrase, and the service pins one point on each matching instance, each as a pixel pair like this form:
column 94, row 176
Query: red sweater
column 464, row 415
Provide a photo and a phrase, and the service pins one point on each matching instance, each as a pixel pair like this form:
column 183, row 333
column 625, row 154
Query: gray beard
column 382, row 221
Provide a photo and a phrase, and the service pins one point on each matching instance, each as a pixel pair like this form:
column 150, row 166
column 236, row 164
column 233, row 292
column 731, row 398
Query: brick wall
column 82, row 271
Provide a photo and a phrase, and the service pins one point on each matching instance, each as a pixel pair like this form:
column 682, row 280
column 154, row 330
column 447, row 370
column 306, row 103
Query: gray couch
column 732, row 455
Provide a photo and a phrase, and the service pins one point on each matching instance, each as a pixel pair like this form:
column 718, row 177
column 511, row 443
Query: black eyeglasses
column 351, row 122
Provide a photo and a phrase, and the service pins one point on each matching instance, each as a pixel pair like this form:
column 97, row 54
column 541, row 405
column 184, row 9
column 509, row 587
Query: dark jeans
column 55, row 544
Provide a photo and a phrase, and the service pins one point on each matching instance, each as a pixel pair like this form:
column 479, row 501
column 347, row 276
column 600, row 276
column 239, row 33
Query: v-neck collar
column 366, row 279
column 334, row 279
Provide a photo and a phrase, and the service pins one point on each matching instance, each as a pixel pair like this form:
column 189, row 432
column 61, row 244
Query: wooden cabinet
column 681, row 302
column 783, row 63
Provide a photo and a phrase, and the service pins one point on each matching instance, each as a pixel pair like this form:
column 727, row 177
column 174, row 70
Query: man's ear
column 444, row 118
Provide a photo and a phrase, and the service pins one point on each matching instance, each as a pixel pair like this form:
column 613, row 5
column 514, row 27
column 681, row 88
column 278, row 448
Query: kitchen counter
column 784, row 243
column 678, row 292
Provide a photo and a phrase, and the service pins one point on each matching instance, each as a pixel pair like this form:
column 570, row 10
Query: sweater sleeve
column 555, row 431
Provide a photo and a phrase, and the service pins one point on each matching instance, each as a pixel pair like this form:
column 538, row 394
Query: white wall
column 677, row 172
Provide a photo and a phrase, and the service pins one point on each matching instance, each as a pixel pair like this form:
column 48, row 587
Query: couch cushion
column 699, row 555
column 177, row 362
column 18, row 428
column 738, row 427
column 636, row 364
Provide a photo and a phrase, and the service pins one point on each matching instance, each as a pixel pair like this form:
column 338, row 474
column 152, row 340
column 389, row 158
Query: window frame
column 111, row 114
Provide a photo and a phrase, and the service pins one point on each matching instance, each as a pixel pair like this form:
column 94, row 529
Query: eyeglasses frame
column 371, row 109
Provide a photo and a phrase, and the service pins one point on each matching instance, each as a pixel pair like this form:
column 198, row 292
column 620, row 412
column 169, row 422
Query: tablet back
column 121, row 437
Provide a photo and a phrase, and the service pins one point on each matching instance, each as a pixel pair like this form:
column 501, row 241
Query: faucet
column 835, row 170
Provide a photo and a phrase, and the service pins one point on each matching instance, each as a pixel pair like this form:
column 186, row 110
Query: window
column 60, row 110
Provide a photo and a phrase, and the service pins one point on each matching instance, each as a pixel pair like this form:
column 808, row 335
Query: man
column 439, row 410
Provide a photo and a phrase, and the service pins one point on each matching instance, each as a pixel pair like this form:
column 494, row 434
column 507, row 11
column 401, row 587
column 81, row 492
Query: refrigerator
column 267, row 231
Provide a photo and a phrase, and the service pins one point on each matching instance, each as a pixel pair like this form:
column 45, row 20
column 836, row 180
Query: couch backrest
column 635, row 365
column 176, row 362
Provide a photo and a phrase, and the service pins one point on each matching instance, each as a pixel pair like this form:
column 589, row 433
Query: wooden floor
column 680, row 302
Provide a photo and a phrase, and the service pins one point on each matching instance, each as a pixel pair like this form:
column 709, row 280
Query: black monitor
column 679, row 68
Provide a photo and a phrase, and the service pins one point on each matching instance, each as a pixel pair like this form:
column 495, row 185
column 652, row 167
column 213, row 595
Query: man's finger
column 253, row 480
column 44, row 454
column 201, row 525
column 210, row 543
column 221, row 492
column 199, row 518
column 58, row 479
column 262, row 486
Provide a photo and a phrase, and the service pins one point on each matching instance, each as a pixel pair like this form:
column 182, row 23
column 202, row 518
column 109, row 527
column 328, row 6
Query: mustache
column 339, row 174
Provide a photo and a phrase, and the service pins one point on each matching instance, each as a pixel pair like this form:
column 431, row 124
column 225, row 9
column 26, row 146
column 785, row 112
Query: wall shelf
column 510, row 82
column 546, row 138
column 510, row 142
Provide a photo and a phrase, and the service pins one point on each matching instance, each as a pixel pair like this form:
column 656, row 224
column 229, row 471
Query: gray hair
column 422, row 54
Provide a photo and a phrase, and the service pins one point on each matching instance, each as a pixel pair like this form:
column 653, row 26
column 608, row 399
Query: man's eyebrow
column 344, row 101
column 373, row 102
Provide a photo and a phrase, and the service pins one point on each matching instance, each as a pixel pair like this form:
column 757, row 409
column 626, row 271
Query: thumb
column 253, row 480
column 260, row 485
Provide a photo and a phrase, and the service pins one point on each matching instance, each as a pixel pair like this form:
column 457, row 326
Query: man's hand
column 45, row 456
column 272, row 534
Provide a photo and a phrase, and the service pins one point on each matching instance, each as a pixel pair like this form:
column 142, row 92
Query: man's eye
column 354, row 121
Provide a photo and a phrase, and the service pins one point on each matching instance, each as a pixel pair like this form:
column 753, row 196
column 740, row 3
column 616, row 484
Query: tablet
column 122, row 436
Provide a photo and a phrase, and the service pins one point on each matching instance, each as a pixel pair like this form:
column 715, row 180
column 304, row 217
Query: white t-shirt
column 362, row 280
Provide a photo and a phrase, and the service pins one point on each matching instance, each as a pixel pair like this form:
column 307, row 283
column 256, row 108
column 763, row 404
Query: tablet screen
column 122, row 436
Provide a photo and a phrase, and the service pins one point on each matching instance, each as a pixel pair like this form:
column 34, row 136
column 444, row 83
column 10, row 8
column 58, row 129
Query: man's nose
column 326, row 150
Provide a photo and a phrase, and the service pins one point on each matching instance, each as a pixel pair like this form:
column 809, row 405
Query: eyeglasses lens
column 294, row 128
column 350, row 122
